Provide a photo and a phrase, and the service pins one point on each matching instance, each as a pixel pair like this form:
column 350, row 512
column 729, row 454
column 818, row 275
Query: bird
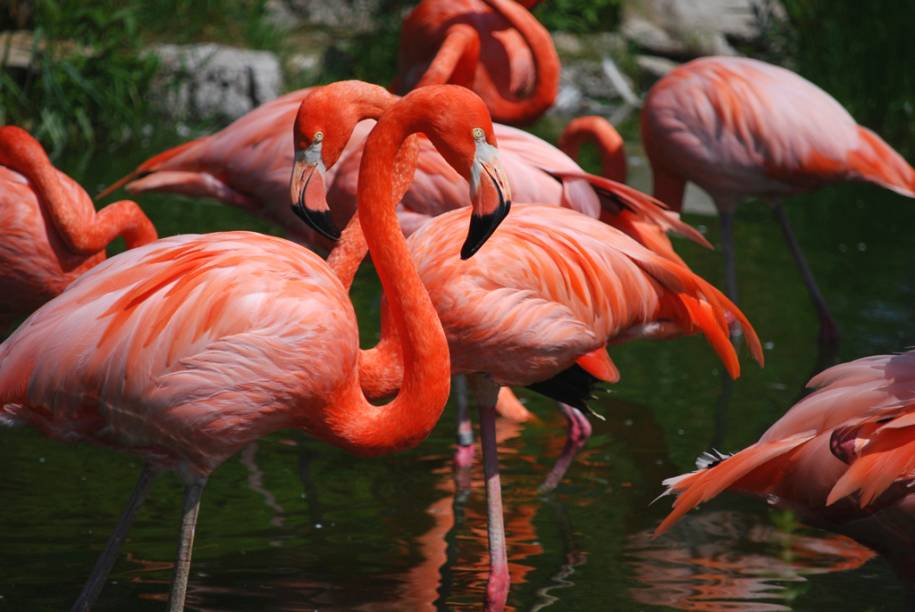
column 600, row 132
column 841, row 459
column 535, row 307
column 247, row 164
column 741, row 128
column 49, row 231
column 494, row 47
column 187, row 349
column 532, row 167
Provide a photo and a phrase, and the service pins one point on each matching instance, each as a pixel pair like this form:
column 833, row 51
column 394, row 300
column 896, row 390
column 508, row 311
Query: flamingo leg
column 106, row 561
column 185, row 544
column 829, row 331
column 727, row 249
column 487, row 393
column 463, row 456
column 579, row 431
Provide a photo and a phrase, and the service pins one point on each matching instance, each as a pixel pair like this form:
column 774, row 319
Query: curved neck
column 608, row 141
column 668, row 188
column 408, row 419
column 546, row 65
column 456, row 59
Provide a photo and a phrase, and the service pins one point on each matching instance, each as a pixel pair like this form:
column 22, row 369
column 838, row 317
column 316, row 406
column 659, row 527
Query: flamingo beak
column 308, row 192
column 490, row 199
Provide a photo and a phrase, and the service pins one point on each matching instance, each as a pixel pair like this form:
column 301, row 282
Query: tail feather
column 510, row 407
column 702, row 315
column 879, row 163
column 150, row 165
column 643, row 205
column 886, row 457
column 702, row 485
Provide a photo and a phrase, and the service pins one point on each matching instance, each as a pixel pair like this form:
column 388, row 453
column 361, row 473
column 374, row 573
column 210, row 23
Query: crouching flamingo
column 843, row 458
column 188, row 349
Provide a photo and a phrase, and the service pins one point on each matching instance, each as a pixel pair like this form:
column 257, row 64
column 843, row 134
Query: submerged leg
column 730, row 264
column 185, row 544
column 578, row 433
column 829, row 331
column 463, row 456
column 487, row 393
column 106, row 561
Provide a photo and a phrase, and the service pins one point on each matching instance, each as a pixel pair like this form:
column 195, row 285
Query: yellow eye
column 479, row 134
column 318, row 137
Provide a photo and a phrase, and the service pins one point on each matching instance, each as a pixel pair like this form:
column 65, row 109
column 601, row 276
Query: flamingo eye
column 318, row 137
column 478, row 134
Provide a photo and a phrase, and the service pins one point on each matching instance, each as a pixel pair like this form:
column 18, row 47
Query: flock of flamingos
column 186, row 349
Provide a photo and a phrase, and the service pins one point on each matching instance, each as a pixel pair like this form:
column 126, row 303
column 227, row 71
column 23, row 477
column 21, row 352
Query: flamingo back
column 196, row 344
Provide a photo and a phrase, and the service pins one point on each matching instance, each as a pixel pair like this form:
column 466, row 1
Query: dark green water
column 293, row 524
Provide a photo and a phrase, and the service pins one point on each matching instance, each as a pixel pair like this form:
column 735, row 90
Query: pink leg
column 487, row 393
column 463, row 456
column 578, row 434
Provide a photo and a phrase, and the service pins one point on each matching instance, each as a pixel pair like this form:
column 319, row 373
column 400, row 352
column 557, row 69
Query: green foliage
column 862, row 54
column 579, row 17
column 238, row 22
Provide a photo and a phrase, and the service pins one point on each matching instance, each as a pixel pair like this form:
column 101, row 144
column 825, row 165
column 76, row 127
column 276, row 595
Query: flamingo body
column 739, row 128
column 842, row 458
column 184, row 350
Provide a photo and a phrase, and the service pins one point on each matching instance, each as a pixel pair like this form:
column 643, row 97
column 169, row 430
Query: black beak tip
column 321, row 222
column 481, row 228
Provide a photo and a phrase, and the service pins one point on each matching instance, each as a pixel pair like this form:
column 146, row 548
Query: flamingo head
column 490, row 195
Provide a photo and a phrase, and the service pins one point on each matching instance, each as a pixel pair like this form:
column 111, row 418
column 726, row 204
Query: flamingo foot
column 579, row 431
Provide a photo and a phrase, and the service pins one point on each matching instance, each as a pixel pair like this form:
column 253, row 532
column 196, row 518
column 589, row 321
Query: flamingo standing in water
column 49, row 231
column 339, row 109
column 742, row 128
column 842, row 459
column 549, row 291
column 494, row 47
column 190, row 348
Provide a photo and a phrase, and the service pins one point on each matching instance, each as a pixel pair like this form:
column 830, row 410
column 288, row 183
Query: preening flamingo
column 742, row 128
column 534, row 169
column 494, row 47
column 536, row 307
column 842, row 459
column 188, row 349
column 50, row 232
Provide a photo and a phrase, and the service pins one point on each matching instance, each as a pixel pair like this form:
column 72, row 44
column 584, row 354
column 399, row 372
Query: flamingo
column 495, row 47
column 50, row 232
column 535, row 308
column 742, row 128
column 841, row 458
column 340, row 109
column 187, row 349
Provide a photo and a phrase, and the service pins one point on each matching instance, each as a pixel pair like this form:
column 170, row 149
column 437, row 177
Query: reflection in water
column 723, row 561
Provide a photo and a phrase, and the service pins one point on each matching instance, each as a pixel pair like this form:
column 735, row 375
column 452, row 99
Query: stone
column 208, row 80
column 351, row 15
column 654, row 67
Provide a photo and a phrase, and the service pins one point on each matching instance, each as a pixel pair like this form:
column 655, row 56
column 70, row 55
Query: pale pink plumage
column 741, row 128
column 843, row 458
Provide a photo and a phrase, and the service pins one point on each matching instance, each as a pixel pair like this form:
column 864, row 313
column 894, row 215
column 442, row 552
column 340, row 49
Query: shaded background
column 292, row 524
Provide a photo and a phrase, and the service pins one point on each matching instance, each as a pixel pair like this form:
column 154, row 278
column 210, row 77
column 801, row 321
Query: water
column 293, row 524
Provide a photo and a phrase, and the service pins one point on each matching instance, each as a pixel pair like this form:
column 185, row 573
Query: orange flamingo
column 495, row 47
column 50, row 232
column 742, row 128
column 841, row 458
column 188, row 349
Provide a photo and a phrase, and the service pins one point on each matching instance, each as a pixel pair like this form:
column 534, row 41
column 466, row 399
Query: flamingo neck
column 456, row 59
column 409, row 417
column 546, row 66
column 668, row 188
column 608, row 141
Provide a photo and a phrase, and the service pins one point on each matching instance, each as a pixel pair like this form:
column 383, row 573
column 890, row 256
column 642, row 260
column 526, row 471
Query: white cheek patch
column 312, row 155
column 485, row 153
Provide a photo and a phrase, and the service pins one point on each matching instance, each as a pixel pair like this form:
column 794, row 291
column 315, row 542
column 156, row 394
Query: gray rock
column 354, row 15
column 585, row 85
column 654, row 67
column 688, row 28
column 208, row 80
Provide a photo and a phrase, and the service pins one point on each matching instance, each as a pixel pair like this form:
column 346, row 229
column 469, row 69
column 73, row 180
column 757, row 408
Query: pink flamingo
column 190, row 348
column 50, row 232
column 742, row 128
column 536, row 307
column 339, row 109
column 842, row 459
column 494, row 47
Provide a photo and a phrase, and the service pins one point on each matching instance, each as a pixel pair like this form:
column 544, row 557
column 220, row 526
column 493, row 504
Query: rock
column 689, row 28
column 209, row 80
column 352, row 15
column 654, row 67
column 585, row 84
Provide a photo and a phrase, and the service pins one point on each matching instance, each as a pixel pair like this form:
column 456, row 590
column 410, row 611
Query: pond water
column 292, row 524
